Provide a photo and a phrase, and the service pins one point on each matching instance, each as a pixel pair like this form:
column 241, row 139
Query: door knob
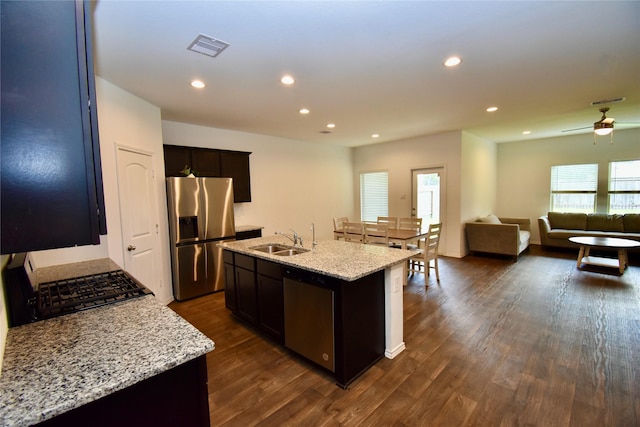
column 131, row 248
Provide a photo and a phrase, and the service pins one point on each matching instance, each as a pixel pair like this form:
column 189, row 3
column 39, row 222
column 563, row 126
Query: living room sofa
column 557, row 227
column 498, row 235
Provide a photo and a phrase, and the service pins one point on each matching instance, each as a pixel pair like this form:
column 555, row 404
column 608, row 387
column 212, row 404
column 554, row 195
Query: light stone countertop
column 56, row 365
column 343, row 260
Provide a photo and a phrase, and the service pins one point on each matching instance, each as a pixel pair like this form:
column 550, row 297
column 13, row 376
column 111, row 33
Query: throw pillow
column 490, row 219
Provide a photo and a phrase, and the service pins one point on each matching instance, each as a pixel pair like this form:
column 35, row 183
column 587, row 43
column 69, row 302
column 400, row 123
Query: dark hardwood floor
column 534, row 342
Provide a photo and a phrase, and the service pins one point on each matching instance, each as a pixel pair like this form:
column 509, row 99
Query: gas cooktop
column 80, row 293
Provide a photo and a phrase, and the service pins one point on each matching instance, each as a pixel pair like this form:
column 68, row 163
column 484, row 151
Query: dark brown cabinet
column 50, row 173
column 177, row 397
column 270, row 299
column 211, row 163
column 245, row 288
column 254, row 292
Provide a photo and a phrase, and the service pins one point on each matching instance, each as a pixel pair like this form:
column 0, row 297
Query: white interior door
column 138, row 216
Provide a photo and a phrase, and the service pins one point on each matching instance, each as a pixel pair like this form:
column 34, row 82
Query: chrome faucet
column 295, row 238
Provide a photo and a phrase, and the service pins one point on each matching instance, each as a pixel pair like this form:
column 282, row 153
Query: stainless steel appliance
column 309, row 317
column 200, row 217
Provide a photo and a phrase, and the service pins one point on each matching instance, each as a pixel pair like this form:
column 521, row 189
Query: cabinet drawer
column 270, row 269
column 245, row 262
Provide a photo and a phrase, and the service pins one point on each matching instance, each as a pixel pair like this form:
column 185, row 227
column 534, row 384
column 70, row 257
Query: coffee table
column 586, row 243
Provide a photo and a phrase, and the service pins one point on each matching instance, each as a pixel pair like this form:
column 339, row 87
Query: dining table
column 397, row 236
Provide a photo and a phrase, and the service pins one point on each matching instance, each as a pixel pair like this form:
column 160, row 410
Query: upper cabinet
column 179, row 160
column 50, row 175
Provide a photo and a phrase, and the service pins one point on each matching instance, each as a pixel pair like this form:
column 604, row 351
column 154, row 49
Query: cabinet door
column 230, row 288
column 235, row 164
column 246, row 301
column 49, row 188
column 176, row 159
column 206, row 162
column 271, row 306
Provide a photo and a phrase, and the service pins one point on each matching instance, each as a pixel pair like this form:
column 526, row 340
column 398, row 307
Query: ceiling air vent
column 208, row 45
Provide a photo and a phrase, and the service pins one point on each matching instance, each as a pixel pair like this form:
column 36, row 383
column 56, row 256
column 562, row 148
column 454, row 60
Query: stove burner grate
column 80, row 293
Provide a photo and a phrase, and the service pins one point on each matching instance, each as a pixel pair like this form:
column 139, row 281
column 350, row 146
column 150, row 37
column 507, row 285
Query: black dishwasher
column 309, row 317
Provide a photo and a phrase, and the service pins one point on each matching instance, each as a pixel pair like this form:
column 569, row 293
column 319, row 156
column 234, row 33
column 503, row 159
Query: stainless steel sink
column 278, row 249
column 289, row 252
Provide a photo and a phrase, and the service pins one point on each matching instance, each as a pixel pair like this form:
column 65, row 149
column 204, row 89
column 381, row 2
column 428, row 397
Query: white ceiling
column 376, row 66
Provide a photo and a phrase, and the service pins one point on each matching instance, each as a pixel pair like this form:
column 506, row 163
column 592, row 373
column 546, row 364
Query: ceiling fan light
column 603, row 131
column 601, row 128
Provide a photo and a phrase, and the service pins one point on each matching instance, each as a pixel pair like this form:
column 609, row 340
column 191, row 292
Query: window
column 374, row 195
column 574, row 188
column 624, row 187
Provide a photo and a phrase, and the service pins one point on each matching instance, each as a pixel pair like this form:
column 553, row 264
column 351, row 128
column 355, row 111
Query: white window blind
column 573, row 188
column 624, row 187
column 374, row 195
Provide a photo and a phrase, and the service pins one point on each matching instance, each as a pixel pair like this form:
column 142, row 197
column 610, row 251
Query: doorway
column 427, row 195
column 138, row 215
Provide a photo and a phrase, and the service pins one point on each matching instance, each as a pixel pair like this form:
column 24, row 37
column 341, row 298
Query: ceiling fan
column 602, row 127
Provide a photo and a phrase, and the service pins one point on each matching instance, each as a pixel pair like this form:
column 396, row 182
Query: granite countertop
column 343, row 260
column 56, row 365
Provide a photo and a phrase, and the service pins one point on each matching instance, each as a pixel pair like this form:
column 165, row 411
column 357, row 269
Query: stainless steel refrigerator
column 200, row 217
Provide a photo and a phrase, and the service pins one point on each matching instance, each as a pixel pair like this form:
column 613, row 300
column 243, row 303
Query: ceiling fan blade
column 571, row 130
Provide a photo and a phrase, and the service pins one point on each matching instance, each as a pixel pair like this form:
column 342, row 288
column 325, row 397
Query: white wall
column 478, row 181
column 399, row 158
column 524, row 168
column 293, row 183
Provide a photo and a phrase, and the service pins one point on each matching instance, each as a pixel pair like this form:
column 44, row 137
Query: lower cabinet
column 245, row 284
column 270, row 299
column 177, row 397
column 254, row 293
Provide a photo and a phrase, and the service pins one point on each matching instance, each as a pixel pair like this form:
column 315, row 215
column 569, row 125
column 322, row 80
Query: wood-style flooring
column 534, row 342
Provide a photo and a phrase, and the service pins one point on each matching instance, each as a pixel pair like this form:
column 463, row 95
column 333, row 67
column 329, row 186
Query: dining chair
column 353, row 232
column 376, row 234
column 391, row 221
column 410, row 223
column 338, row 223
column 421, row 262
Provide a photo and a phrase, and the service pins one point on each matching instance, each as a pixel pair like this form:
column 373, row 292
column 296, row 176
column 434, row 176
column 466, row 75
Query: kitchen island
column 360, row 277
column 112, row 365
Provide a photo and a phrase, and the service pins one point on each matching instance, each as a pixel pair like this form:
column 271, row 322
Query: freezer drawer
column 308, row 321
column 190, row 272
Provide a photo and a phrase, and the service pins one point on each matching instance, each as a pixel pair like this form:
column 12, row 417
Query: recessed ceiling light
column 526, row 132
column 492, row 109
column 304, row 111
column 452, row 61
column 287, row 80
column 198, row 84
column 375, row 135
column 331, row 125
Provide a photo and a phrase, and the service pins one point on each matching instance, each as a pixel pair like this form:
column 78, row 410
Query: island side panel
column 394, row 332
column 360, row 326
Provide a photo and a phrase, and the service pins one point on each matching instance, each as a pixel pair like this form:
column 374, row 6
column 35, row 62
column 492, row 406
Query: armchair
column 504, row 236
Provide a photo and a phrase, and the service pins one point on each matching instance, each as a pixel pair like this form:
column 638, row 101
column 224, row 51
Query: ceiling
column 376, row 67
